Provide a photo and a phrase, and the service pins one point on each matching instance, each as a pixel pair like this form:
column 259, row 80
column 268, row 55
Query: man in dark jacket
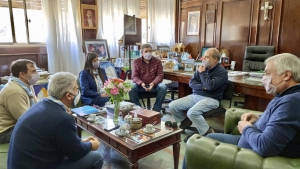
column 46, row 135
column 208, row 84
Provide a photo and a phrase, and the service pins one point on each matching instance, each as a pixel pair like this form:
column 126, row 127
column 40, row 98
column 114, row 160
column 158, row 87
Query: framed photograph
column 129, row 25
column 89, row 16
column 171, row 55
column 189, row 65
column 193, row 23
column 163, row 48
column 98, row 46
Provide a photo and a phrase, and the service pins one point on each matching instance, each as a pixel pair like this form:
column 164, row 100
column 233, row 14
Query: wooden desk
column 255, row 95
column 131, row 151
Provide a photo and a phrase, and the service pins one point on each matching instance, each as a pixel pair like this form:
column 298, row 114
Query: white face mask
column 270, row 89
column 33, row 78
column 76, row 98
column 147, row 56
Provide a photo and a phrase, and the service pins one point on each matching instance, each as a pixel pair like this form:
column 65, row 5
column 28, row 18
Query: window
column 144, row 18
column 22, row 21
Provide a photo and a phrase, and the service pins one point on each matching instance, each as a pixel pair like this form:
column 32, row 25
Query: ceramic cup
column 149, row 127
column 122, row 130
column 92, row 116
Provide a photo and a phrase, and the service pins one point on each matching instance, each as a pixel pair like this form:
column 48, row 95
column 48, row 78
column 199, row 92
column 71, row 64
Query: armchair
column 204, row 152
column 254, row 59
column 255, row 56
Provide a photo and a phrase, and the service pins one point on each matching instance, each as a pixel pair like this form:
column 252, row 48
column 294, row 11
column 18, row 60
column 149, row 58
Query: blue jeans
column 160, row 90
column 225, row 138
column 92, row 160
column 195, row 105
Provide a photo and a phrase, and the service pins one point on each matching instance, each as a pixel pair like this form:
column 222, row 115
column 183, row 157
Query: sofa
column 206, row 153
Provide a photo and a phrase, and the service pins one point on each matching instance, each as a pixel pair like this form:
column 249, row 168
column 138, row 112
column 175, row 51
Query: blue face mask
column 96, row 64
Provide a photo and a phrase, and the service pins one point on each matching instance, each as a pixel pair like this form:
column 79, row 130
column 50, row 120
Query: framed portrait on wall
column 98, row 46
column 89, row 16
column 129, row 25
column 193, row 23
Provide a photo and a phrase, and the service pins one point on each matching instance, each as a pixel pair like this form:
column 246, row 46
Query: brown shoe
column 210, row 130
column 185, row 123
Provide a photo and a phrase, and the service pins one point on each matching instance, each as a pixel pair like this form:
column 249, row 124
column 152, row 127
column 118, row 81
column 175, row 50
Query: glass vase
column 116, row 111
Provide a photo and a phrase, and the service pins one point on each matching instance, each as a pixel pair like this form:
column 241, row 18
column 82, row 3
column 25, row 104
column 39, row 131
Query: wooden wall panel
column 191, row 42
column 38, row 54
column 235, row 23
column 289, row 38
column 209, row 28
column 240, row 23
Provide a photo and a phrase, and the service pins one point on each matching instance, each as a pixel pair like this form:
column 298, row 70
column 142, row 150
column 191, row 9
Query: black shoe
column 185, row 123
column 187, row 137
column 210, row 130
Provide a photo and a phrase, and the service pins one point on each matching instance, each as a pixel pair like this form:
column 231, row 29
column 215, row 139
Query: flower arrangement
column 117, row 90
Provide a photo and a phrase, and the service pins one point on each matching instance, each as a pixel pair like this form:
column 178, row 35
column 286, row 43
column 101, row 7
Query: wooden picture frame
column 193, row 23
column 89, row 16
column 130, row 25
column 165, row 48
column 98, row 46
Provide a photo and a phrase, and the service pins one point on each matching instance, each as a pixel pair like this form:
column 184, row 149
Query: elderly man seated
column 277, row 131
column 46, row 135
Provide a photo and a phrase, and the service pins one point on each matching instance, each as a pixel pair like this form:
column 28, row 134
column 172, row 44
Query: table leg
column 134, row 166
column 176, row 152
column 79, row 131
column 183, row 90
column 133, row 158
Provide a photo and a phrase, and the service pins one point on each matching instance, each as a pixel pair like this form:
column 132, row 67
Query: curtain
column 111, row 21
column 161, row 20
column 64, row 42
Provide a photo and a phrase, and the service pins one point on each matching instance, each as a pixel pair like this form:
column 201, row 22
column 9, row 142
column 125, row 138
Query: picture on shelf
column 171, row 55
column 98, row 46
column 189, row 65
column 89, row 16
column 129, row 25
column 193, row 23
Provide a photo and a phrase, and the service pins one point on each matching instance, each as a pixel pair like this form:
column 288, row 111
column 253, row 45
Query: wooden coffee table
column 164, row 137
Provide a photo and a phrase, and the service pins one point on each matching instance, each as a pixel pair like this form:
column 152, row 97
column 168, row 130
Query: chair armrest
column 232, row 117
column 203, row 152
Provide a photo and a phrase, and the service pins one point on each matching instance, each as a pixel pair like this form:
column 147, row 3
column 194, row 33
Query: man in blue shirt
column 208, row 84
column 46, row 136
column 277, row 131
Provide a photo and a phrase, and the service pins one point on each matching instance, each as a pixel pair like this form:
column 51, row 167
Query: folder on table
column 84, row 110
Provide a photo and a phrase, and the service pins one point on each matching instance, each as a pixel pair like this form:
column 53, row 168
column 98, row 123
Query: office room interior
column 58, row 36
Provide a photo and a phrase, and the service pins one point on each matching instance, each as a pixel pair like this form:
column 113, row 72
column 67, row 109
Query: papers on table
column 237, row 73
column 256, row 74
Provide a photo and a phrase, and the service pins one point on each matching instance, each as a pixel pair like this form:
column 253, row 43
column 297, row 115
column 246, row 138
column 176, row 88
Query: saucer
column 90, row 119
column 149, row 132
column 117, row 132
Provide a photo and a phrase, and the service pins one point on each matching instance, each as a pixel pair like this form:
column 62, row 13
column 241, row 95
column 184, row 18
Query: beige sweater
column 14, row 101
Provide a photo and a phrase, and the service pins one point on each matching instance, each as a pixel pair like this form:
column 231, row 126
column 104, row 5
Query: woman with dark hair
column 91, row 80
